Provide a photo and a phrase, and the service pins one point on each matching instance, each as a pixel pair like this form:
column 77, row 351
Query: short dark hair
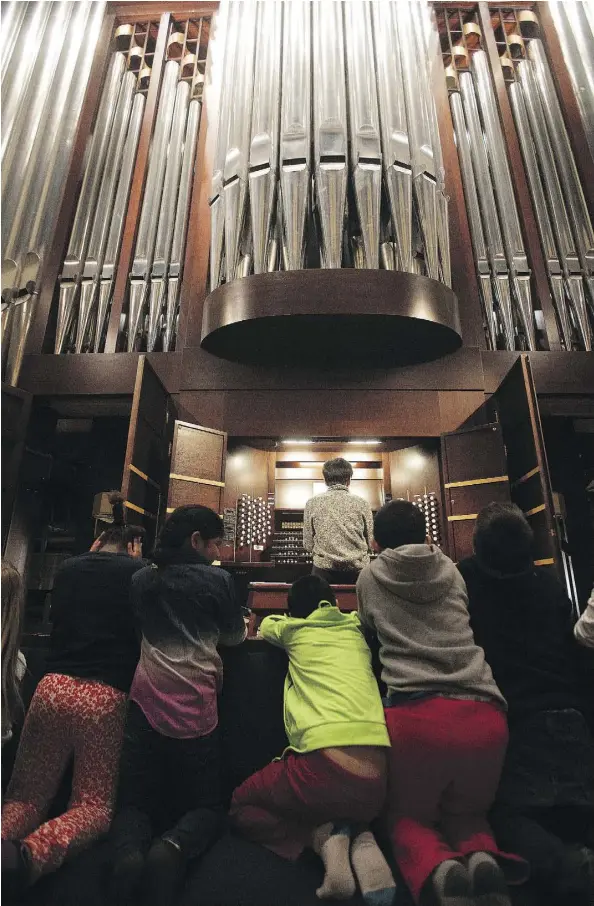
column 337, row 471
column 399, row 522
column 306, row 593
column 503, row 539
column 181, row 525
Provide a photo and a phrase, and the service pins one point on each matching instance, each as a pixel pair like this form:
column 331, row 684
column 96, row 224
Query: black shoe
column 128, row 868
column 164, row 873
column 487, row 880
column 574, row 884
column 17, row 869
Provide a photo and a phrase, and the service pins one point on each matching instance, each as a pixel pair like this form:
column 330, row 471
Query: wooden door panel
column 197, row 470
column 475, row 474
column 146, row 467
column 517, row 409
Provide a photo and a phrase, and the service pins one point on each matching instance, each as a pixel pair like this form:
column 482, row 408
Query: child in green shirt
column 331, row 781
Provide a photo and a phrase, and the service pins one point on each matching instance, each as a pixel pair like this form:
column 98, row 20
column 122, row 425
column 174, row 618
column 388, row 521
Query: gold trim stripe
column 217, row 484
column 466, row 484
column 139, row 509
column 144, row 476
column 548, row 561
column 528, row 475
column 460, row 518
column 535, row 510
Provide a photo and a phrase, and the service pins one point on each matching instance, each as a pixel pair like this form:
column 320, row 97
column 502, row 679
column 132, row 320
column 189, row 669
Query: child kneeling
column 445, row 716
column 332, row 777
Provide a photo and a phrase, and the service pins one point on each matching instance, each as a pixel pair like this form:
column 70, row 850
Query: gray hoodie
column 415, row 599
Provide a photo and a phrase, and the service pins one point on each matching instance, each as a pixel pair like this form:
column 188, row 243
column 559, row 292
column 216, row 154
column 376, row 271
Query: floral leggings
column 68, row 717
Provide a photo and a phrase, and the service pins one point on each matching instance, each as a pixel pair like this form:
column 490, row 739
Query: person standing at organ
column 338, row 527
column 78, row 709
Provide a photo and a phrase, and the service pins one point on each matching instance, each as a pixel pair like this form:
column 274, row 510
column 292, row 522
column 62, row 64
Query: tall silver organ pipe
column 41, row 141
column 574, row 22
column 350, row 82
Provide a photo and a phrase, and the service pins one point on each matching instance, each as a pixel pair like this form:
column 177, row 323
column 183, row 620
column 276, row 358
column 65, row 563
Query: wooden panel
column 184, row 493
column 519, row 417
column 460, row 371
column 16, row 407
column 197, row 468
column 554, row 372
column 146, row 471
column 475, row 473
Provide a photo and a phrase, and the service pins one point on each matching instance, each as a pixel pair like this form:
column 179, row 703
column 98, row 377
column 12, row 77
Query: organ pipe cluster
column 574, row 21
column 561, row 213
column 91, row 260
column 47, row 51
column 327, row 146
column 497, row 240
column 158, row 256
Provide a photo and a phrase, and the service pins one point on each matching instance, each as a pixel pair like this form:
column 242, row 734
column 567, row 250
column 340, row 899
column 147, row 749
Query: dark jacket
column 524, row 624
column 93, row 629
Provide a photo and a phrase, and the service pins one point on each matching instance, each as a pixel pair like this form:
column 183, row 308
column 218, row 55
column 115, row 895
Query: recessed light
column 297, row 442
column 367, row 442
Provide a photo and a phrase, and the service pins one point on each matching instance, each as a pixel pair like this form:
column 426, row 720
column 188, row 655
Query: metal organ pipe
column 575, row 26
column 48, row 166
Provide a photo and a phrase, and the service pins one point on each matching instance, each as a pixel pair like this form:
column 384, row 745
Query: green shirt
column 331, row 695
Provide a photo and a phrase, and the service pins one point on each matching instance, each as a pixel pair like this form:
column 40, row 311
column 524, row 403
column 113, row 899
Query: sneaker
column 487, row 881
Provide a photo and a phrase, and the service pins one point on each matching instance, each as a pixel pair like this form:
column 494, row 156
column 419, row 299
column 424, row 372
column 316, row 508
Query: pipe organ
column 329, row 125
column 47, row 53
column 87, row 282
column 562, row 217
column 327, row 150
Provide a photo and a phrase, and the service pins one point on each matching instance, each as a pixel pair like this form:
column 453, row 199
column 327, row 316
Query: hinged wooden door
column 146, row 467
column 475, row 474
column 16, row 407
column 197, row 472
column 519, row 417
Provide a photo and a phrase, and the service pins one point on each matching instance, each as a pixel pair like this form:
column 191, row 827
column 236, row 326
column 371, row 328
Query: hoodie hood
column 414, row 572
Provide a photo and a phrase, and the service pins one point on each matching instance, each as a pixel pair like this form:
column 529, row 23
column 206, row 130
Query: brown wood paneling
column 53, row 263
column 456, row 407
column 204, row 459
column 197, row 467
column 569, row 105
column 137, row 188
column 195, row 273
column 246, row 472
column 554, row 372
column 98, row 375
column 146, row 472
column 132, row 11
column 528, row 470
column 518, row 174
column 460, row 371
column 475, row 473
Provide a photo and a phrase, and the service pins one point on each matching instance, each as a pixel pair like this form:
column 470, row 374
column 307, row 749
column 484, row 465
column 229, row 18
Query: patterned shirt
column 338, row 529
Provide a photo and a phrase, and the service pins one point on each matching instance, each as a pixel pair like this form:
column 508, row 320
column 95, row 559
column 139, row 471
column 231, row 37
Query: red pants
column 281, row 805
column 67, row 717
column 444, row 768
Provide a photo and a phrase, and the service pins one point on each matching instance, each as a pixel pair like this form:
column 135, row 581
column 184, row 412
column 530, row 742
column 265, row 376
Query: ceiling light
column 297, row 442
column 367, row 442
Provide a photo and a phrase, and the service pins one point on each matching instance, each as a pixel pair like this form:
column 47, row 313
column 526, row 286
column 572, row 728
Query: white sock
column 373, row 872
column 332, row 844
